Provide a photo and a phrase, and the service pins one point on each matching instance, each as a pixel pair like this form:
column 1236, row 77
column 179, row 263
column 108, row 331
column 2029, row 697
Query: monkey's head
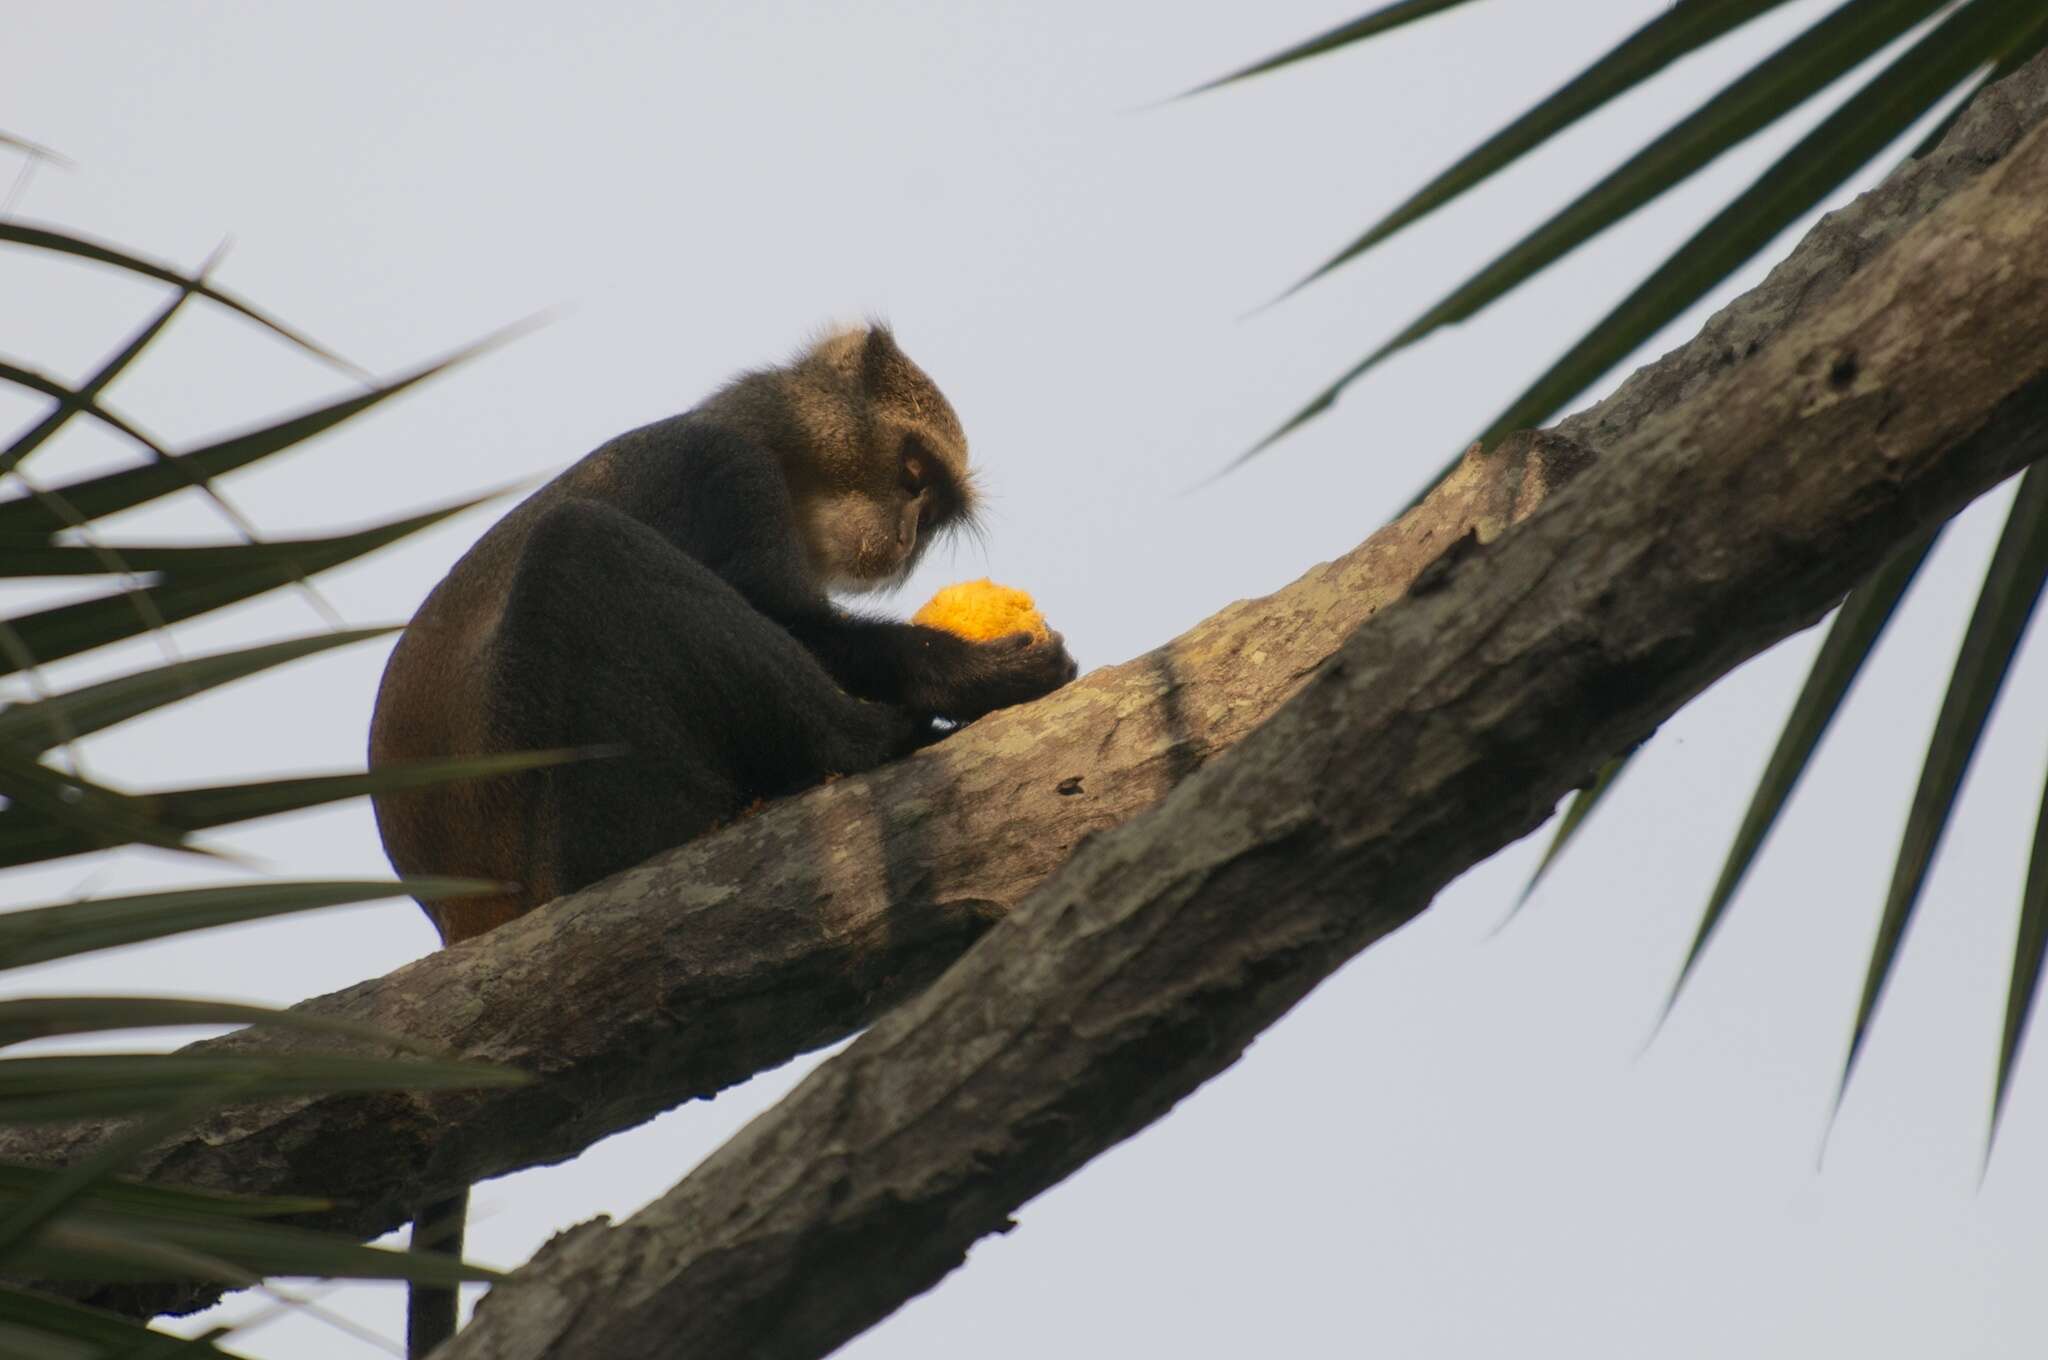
column 873, row 454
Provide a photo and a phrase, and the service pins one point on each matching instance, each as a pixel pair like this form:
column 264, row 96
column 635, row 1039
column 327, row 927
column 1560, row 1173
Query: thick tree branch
column 740, row 951
column 1445, row 727
column 793, row 929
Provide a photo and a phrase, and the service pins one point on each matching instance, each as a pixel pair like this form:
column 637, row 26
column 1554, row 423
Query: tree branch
column 1445, row 727
column 741, row 950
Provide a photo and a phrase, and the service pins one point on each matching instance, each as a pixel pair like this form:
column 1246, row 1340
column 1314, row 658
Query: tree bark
column 1445, row 726
column 786, row 932
column 741, row 950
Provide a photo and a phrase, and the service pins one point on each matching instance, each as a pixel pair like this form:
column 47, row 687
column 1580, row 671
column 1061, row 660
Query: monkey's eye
column 916, row 473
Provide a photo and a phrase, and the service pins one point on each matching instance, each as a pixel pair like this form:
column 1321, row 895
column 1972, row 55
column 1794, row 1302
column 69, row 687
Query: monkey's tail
column 430, row 1309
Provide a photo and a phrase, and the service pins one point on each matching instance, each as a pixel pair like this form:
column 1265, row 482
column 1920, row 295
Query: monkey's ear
column 885, row 370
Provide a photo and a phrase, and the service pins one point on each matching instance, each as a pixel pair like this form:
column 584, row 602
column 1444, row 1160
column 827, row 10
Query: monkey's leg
column 614, row 637
column 430, row 1313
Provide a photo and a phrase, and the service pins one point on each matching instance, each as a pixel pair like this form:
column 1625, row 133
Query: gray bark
column 738, row 952
column 1446, row 726
column 742, row 950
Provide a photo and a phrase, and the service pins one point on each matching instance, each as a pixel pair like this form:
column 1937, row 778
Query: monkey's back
column 441, row 695
column 436, row 701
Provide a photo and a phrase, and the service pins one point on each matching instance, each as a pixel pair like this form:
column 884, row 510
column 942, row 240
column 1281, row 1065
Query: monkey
column 668, row 595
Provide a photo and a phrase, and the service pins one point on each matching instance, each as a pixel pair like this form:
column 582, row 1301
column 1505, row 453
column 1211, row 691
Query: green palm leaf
column 2028, row 951
column 42, row 1017
column 1641, row 55
column 1382, row 20
column 33, row 150
column 1965, row 48
column 125, row 1195
column 2017, row 56
column 97, row 497
column 2012, row 587
column 38, row 1196
column 63, row 930
column 28, row 837
column 35, row 727
column 1871, row 119
column 96, row 1085
column 209, row 578
column 80, row 247
column 56, row 391
column 99, row 816
column 1583, row 803
column 33, row 555
column 1851, row 638
column 80, row 1220
column 41, row 1327
column 95, row 1246
column 1876, row 115
column 69, row 405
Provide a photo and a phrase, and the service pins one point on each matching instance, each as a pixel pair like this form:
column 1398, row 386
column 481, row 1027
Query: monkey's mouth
column 880, row 562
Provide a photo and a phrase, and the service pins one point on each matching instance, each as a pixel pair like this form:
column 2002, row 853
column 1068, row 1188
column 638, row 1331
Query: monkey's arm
column 930, row 671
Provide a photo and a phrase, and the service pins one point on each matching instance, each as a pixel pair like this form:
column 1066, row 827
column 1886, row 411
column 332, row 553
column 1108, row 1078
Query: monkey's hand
column 1013, row 669
column 929, row 671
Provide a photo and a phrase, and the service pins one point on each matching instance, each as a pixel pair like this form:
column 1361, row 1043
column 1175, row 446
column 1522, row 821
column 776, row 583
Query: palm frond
column 83, row 1220
column 36, row 237
column 2028, row 951
column 61, row 930
column 2012, row 587
column 1383, row 20
column 1674, row 33
column 1851, row 639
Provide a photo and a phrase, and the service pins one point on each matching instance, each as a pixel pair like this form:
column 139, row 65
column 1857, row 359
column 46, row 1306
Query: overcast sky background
column 1457, row 1146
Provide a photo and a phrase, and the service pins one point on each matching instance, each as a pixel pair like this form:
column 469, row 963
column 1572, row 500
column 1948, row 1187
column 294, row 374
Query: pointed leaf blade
column 1870, row 120
column 35, row 150
column 1645, row 52
column 96, row 1085
column 1583, row 803
column 2023, row 50
column 43, row 1017
column 1845, row 141
column 95, row 815
column 26, row 838
column 56, row 391
column 36, row 726
column 42, row 1200
column 232, row 573
column 1850, row 641
column 108, row 1334
column 32, row 935
column 134, row 1247
column 98, row 497
column 65, row 243
column 2028, row 951
column 26, row 556
column 1381, row 20
column 127, row 1195
column 2012, row 587
column 38, row 434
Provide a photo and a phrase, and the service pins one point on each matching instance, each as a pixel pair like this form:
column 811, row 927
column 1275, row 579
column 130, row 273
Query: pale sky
column 1457, row 1147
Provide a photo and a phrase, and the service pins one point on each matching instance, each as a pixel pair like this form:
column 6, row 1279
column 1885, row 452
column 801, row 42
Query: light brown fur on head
column 852, row 420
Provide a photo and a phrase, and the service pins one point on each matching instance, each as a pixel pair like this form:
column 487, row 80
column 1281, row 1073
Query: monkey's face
column 872, row 453
column 868, row 526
